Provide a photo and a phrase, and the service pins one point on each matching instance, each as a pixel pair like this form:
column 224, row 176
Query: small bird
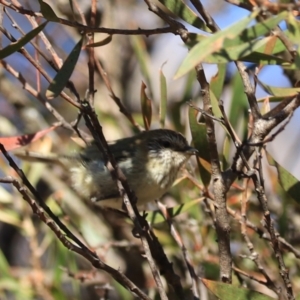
column 150, row 161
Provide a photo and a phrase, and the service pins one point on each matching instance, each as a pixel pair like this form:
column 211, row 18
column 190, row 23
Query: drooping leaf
column 271, row 99
column 104, row 42
column 215, row 105
column 288, row 182
column 217, row 81
column 294, row 35
column 198, row 131
column 63, row 75
column 163, row 98
column 17, row 45
column 279, row 91
column 142, row 55
column 146, row 105
column 238, row 110
column 4, row 266
column 48, row 12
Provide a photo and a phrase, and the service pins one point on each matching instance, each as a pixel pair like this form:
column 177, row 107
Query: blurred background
column 33, row 263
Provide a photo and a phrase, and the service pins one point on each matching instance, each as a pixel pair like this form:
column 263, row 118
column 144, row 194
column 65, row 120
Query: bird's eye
column 166, row 144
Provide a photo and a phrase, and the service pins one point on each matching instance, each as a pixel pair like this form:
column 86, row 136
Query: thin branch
column 27, row 87
column 254, row 255
column 195, row 279
column 210, row 22
column 261, row 128
column 175, row 26
column 258, row 181
column 38, row 67
column 149, row 241
column 116, row 99
column 83, row 251
column 263, row 234
column 89, row 29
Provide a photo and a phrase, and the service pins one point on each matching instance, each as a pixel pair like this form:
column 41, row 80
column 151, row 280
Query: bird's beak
column 191, row 151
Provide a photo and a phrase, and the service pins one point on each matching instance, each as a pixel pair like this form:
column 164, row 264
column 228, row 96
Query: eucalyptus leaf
column 63, row 75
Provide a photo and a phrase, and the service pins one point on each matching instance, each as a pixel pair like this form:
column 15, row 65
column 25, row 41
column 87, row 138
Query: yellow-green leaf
column 225, row 291
column 198, row 131
column 212, row 44
column 163, row 98
column 140, row 49
column 279, row 91
column 288, row 182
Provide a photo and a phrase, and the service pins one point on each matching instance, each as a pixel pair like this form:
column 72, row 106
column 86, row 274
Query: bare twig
column 88, row 29
column 149, row 241
column 269, row 225
column 117, row 100
column 38, row 67
column 254, row 255
column 80, row 249
column 195, row 279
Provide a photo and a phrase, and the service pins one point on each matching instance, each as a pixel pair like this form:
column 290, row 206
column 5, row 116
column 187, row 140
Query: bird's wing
column 121, row 149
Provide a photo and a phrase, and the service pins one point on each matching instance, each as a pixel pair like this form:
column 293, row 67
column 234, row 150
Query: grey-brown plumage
column 150, row 161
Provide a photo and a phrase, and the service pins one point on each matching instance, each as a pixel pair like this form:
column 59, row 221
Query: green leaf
column 163, row 98
column 225, row 291
column 212, row 44
column 279, row 92
column 156, row 217
column 63, row 75
column 17, row 45
column 248, row 46
column 258, row 30
column 142, row 55
column 271, row 99
column 215, row 105
column 104, row 42
column 249, row 34
column 294, row 34
column 288, row 182
column 10, row 217
column 259, row 56
column 4, row 266
column 198, row 131
column 146, row 107
column 238, row 112
column 244, row 52
column 181, row 10
column 48, row 12
column 226, row 152
column 217, row 81
column 265, row 59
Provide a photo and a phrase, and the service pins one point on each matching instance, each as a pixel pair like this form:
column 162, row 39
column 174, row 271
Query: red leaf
column 14, row 142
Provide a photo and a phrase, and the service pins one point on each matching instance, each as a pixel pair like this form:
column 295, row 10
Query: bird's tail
column 40, row 157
